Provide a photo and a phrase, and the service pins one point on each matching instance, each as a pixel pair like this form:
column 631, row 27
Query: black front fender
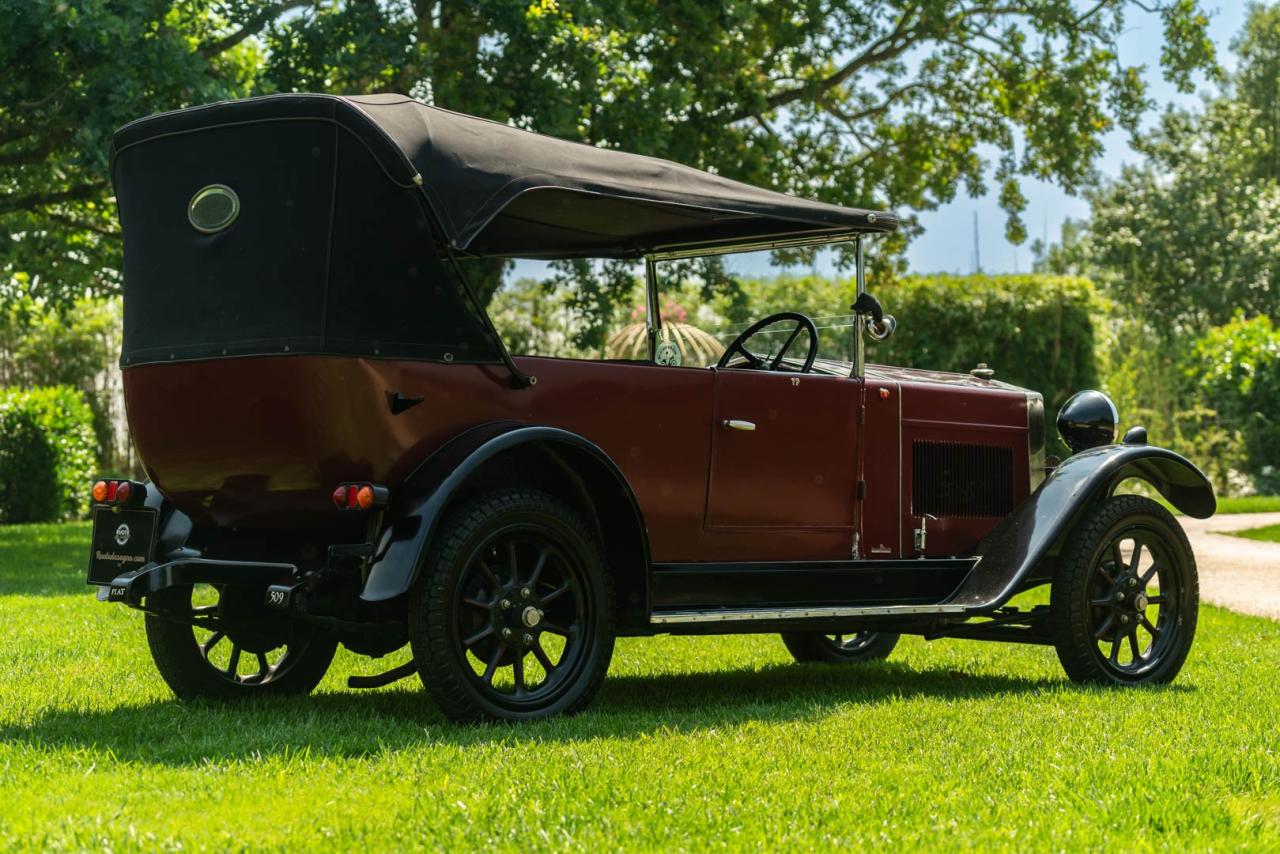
column 421, row 503
column 1013, row 550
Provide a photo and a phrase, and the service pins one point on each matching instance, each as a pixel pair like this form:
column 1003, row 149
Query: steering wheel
column 803, row 324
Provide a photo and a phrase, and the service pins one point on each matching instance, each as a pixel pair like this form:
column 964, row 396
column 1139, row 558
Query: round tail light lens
column 124, row 492
column 100, row 491
column 365, row 497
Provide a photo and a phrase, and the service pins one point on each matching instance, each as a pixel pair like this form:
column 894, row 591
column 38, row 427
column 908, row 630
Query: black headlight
column 1087, row 420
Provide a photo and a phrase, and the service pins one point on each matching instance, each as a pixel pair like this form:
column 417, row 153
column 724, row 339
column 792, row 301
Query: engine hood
column 887, row 373
column 919, row 375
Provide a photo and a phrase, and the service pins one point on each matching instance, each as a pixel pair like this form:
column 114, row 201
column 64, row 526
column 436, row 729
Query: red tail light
column 360, row 496
column 119, row 492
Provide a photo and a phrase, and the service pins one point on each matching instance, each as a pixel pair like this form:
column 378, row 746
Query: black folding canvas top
column 497, row 190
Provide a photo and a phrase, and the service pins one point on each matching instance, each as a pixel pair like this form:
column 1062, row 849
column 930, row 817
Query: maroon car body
column 299, row 331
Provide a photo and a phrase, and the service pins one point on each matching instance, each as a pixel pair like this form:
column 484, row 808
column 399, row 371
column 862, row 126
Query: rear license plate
column 122, row 542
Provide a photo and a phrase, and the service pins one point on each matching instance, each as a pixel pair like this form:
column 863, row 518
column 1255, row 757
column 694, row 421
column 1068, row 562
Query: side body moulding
column 428, row 493
column 1013, row 552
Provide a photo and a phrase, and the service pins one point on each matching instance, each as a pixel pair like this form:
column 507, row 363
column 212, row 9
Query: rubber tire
column 442, row 676
column 1068, row 607
column 189, row 676
column 808, row 647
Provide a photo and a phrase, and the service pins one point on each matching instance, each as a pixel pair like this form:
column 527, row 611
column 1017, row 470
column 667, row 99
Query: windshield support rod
column 652, row 314
column 859, row 320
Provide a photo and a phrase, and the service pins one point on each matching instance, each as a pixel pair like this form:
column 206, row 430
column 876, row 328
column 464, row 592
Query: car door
column 784, row 451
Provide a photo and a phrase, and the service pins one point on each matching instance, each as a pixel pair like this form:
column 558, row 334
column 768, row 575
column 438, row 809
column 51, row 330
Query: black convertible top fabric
column 498, row 190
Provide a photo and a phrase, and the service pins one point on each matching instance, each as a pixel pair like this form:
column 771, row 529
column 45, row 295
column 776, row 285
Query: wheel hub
column 518, row 618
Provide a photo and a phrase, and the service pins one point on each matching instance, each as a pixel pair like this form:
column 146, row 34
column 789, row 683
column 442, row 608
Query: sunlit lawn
column 692, row 744
column 1249, row 504
column 1268, row 533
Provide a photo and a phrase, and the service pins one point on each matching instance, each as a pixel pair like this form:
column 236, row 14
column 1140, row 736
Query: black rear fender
column 501, row 454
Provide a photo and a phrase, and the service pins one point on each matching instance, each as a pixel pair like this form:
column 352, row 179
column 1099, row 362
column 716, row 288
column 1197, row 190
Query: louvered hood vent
column 957, row 479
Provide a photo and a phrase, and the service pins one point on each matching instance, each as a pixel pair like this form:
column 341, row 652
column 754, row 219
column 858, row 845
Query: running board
column 723, row 615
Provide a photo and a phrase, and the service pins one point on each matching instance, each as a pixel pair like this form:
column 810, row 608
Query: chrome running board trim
column 801, row 613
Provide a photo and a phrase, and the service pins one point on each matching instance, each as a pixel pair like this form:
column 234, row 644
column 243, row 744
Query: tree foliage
column 1188, row 237
column 861, row 102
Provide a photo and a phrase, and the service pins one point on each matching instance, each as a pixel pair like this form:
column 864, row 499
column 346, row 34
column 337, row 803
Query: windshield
column 596, row 309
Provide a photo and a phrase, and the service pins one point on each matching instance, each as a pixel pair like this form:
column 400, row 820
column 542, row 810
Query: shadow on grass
column 44, row 560
column 354, row 724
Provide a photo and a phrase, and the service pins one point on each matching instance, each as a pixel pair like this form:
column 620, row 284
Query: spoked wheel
column 847, row 648
column 512, row 618
column 236, row 649
column 1124, row 605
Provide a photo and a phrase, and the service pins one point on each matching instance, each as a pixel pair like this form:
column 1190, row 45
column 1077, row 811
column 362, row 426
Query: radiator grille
column 957, row 479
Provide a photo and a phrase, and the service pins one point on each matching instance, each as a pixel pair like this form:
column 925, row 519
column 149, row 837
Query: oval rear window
column 213, row 208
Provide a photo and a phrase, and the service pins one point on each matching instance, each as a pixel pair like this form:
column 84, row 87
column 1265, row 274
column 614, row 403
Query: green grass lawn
column 1226, row 504
column 1249, row 504
column 693, row 743
column 1267, row 533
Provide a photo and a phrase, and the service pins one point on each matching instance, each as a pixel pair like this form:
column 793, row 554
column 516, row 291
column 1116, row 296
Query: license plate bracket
column 123, row 540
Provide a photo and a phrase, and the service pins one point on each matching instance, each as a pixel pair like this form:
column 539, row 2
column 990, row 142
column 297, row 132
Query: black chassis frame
column 964, row 597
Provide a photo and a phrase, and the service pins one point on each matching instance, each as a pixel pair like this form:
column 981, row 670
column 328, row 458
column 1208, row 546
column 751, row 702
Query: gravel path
column 1240, row 574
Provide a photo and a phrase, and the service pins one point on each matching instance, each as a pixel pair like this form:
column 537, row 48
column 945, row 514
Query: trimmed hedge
column 1235, row 370
column 47, row 454
column 1035, row 331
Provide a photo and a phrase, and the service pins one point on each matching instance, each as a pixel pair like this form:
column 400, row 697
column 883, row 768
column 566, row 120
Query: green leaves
column 870, row 103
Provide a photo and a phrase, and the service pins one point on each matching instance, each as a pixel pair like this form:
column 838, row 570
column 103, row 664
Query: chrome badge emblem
column 122, row 535
column 213, row 208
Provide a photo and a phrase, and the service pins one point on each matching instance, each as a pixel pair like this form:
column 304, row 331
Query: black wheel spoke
column 1106, row 627
column 1115, row 646
column 517, row 672
column 556, row 594
column 543, row 659
column 555, row 628
column 1155, row 633
column 212, row 642
column 492, row 666
column 537, row 567
column 234, row 663
column 204, row 610
column 1137, row 557
column 476, row 603
column 488, row 574
column 1101, row 602
column 1146, row 579
column 478, row 636
column 1155, row 600
column 1133, row 644
column 1117, row 560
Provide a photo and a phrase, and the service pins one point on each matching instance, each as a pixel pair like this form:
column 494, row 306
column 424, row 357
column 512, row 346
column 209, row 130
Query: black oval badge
column 213, row 208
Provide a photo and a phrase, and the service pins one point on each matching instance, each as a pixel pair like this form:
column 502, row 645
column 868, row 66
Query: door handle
column 735, row 424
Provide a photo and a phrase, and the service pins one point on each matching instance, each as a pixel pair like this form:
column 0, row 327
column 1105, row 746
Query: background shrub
column 1235, row 370
column 47, row 454
column 1036, row 331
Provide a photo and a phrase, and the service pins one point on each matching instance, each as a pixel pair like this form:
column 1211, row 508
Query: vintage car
column 340, row 449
